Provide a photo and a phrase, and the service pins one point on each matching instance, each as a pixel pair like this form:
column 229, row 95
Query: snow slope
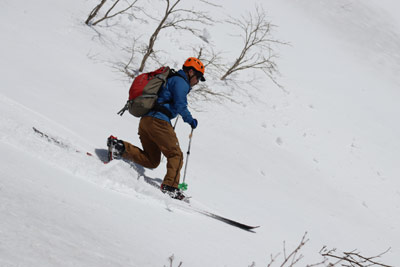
column 321, row 157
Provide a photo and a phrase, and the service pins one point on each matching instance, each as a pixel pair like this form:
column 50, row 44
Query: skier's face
column 194, row 78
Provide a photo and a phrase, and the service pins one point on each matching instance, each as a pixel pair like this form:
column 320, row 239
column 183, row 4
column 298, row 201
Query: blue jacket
column 174, row 96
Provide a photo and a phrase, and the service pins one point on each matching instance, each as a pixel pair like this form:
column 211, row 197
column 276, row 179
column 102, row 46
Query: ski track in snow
column 122, row 177
column 16, row 130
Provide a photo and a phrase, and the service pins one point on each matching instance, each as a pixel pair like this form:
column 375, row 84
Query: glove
column 193, row 123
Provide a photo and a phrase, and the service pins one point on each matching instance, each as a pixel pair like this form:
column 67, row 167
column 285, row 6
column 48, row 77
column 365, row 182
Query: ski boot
column 115, row 148
column 172, row 192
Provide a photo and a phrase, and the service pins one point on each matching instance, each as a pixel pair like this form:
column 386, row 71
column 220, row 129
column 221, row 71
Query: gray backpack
column 143, row 93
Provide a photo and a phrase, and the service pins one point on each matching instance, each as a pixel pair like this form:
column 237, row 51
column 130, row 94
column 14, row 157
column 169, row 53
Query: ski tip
column 251, row 229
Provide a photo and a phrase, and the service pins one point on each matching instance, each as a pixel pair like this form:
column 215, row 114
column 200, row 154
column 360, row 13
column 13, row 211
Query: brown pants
column 157, row 136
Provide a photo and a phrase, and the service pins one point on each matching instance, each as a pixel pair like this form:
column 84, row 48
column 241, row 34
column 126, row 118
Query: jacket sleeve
column 179, row 91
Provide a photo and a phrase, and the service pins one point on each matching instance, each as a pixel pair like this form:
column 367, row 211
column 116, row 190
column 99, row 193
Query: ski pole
column 176, row 121
column 183, row 186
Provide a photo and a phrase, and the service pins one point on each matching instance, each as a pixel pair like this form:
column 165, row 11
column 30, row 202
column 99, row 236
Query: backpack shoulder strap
column 159, row 106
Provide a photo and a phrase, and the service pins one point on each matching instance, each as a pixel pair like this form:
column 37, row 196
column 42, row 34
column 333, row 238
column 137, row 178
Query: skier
column 156, row 132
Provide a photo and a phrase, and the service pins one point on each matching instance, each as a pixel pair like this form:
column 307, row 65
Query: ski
column 220, row 218
column 188, row 206
column 228, row 221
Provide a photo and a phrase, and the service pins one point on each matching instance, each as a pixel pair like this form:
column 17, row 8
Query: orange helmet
column 197, row 65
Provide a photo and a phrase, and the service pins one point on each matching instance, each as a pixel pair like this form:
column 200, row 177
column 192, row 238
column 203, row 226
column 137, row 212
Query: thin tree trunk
column 95, row 11
column 150, row 50
column 154, row 36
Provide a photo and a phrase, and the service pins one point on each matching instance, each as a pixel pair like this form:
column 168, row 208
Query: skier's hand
column 193, row 123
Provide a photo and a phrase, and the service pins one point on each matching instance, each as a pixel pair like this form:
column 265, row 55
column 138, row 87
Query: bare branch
column 122, row 11
column 353, row 258
column 293, row 255
column 211, row 59
column 203, row 93
column 209, row 3
column 291, row 259
column 178, row 18
column 273, row 259
column 171, row 261
column 126, row 67
column 257, row 51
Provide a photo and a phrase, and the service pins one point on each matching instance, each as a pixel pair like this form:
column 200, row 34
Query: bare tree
column 108, row 15
column 352, row 258
column 292, row 258
column 212, row 60
column 257, row 51
column 179, row 19
column 331, row 257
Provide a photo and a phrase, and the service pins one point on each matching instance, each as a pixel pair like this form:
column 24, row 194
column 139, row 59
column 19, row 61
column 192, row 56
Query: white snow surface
column 321, row 156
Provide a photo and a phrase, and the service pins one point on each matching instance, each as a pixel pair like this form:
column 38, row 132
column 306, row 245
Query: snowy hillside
column 320, row 156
